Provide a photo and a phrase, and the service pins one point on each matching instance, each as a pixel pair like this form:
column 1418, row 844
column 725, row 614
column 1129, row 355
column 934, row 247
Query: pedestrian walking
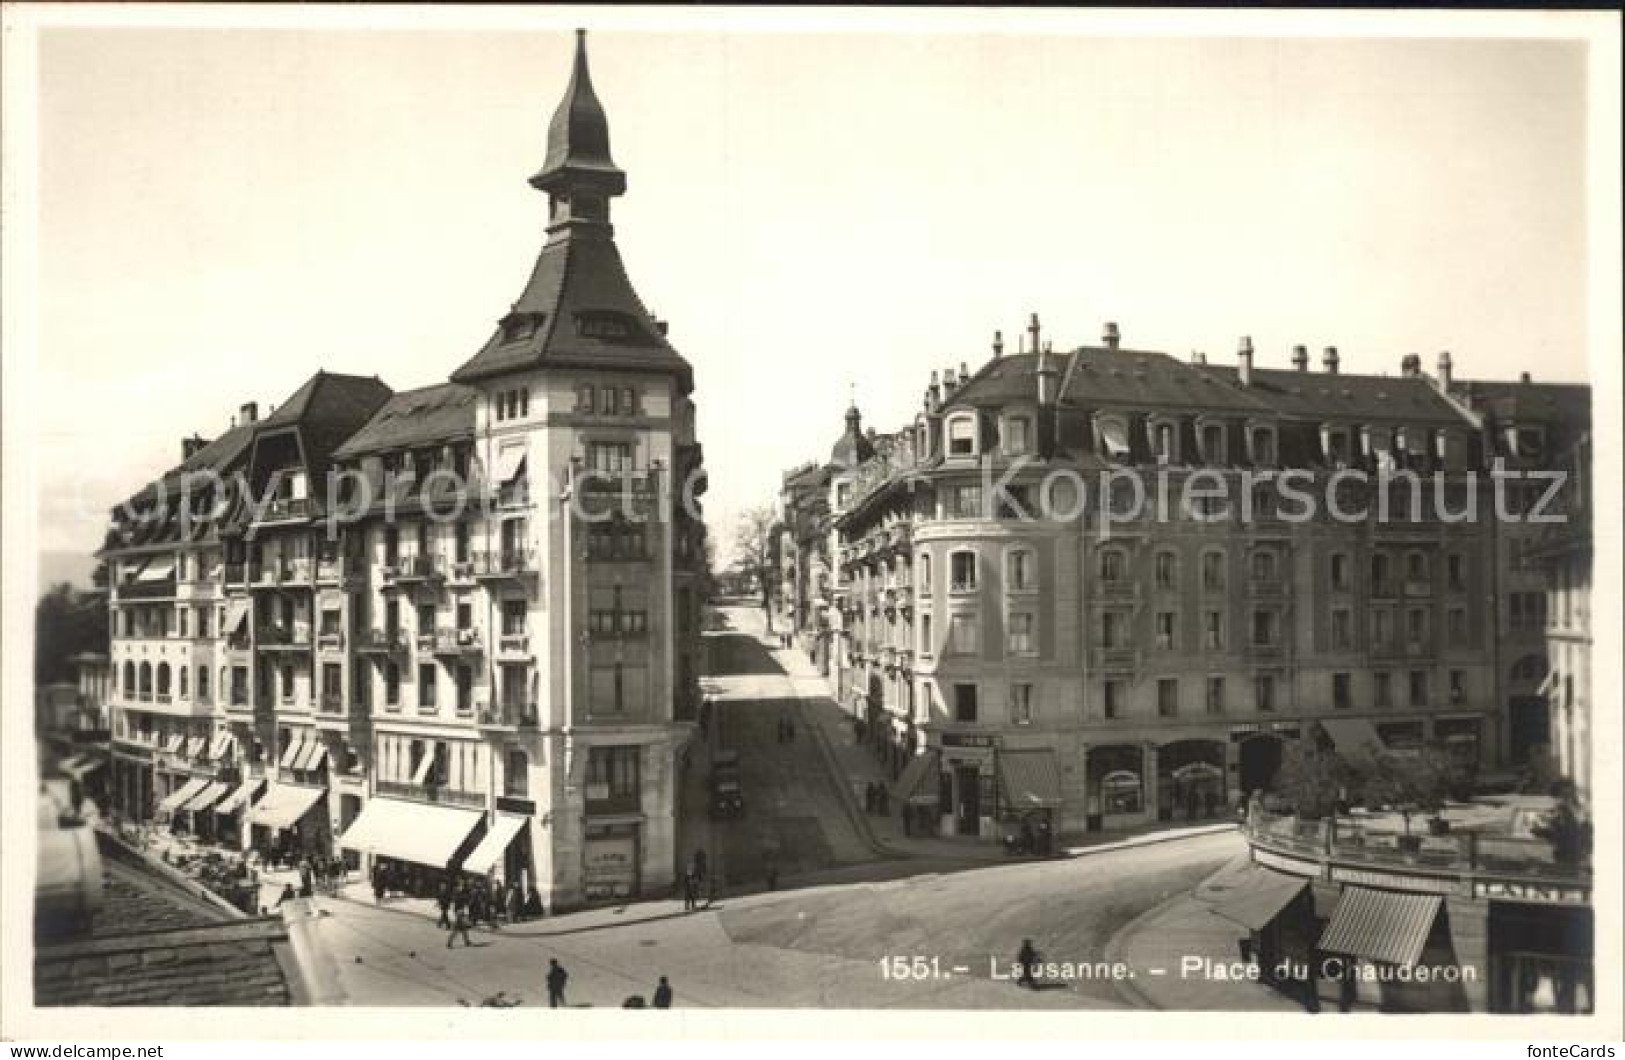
column 443, row 900
column 556, row 978
column 516, row 903
column 495, row 902
column 378, row 885
column 533, row 903
column 700, row 864
column 476, row 904
column 662, row 998
column 459, row 924
column 1027, row 958
column 307, row 883
column 691, row 893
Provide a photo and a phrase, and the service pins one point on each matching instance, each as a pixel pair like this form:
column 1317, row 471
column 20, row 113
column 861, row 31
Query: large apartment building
column 455, row 626
column 1017, row 651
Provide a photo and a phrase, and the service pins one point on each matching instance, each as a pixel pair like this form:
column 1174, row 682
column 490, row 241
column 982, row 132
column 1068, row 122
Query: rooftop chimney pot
column 1411, row 365
column 1110, row 336
column 1329, row 360
column 1300, row 358
column 1244, row 361
column 1444, row 370
column 998, row 344
column 250, row 411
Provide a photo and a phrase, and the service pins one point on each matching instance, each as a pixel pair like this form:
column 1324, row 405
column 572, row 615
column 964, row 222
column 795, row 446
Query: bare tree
column 754, row 548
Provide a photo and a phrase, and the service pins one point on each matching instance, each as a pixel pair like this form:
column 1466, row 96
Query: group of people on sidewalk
column 467, row 903
column 697, row 879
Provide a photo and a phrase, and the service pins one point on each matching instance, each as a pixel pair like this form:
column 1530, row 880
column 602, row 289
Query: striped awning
column 180, row 795
column 294, row 751
column 1029, row 779
column 1260, row 896
column 239, row 797
column 1383, row 926
column 918, row 782
column 194, row 746
column 206, row 797
column 494, row 844
column 223, row 742
column 315, row 754
column 1352, row 735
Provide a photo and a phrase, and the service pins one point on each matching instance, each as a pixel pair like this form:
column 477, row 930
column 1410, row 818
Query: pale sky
column 222, row 213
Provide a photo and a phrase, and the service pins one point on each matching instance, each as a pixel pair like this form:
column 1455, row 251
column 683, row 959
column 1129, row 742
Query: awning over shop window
column 284, row 805
column 1352, row 735
column 1381, row 926
column 239, row 797
column 509, row 461
column 291, row 753
column 210, row 794
column 236, row 615
column 1029, row 779
column 315, row 754
column 81, row 766
column 175, row 742
column 411, row 831
column 420, row 775
column 491, row 848
column 1259, row 897
column 180, row 795
column 222, row 745
column 194, row 746
column 159, row 568
column 918, row 783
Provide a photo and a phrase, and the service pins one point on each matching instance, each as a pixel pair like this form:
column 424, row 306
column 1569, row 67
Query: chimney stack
column 250, row 411
column 1110, row 337
column 1523, row 377
column 1198, row 357
column 1410, row 366
column 190, row 446
column 998, row 345
column 964, row 374
column 1244, row 361
column 1444, row 369
column 1328, row 360
column 1032, row 331
column 1300, row 358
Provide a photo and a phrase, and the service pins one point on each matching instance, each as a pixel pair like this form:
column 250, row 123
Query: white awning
column 223, row 743
column 182, row 794
column 236, row 615
column 175, row 742
column 411, row 831
column 159, row 568
column 194, row 746
column 291, row 753
column 284, row 805
column 491, row 848
column 508, row 462
column 205, row 798
column 239, row 797
column 421, row 774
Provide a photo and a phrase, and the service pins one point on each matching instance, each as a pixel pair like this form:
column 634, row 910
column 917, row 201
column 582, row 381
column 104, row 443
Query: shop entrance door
column 969, row 808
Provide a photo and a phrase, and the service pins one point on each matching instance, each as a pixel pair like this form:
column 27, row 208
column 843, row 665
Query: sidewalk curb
column 1112, row 952
column 1150, row 839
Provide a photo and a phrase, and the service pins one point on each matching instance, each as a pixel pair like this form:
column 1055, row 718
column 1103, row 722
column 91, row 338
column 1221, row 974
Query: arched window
column 962, row 435
column 1261, row 440
column 922, row 566
column 1167, row 569
column 203, row 683
column 1416, row 567
column 1113, row 565
column 1020, row 571
column 1264, row 566
column 1213, row 569
column 962, row 572
column 1213, row 449
column 146, row 680
column 130, row 689
column 163, row 679
column 183, row 674
column 1018, row 435
column 1380, row 573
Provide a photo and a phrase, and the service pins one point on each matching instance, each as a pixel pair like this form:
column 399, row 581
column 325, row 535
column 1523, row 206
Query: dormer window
column 1212, row 435
column 1112, row 437
column 1164, row 444
column 1017, row 435
column 1334, row 442
column 1527, row 443
column 517, row 327
column 962, row 436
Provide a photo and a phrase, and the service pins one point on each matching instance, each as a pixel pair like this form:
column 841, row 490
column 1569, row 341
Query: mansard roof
column 430, row 415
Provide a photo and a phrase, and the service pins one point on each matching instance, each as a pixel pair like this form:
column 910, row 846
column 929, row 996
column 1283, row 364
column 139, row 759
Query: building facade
column 450, row 627
column 1088, row 587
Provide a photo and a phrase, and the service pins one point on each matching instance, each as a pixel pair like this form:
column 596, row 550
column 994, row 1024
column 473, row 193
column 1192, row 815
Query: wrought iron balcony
column 457, row 642
column 418, row 569
column 506, row 564
column 381, row 640
column 513, row 644
column 508, row 717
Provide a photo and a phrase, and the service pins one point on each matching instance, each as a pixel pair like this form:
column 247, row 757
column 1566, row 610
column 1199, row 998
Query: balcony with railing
column 276, row 636
column 462, row 570
column 507, row 717
column 507, row 564
column 333, row 570
column 430, row 793
column 419, row 569
column 284, row 509
column 1118, row 589
column 457, row 642
column 1118, row 657
column 1474, row 857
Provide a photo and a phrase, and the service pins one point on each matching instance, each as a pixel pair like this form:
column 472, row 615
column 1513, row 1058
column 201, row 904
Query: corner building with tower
column 480, row 651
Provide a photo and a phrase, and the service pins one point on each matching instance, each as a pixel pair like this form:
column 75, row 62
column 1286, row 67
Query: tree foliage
column 754, row 547
column 1313, row 778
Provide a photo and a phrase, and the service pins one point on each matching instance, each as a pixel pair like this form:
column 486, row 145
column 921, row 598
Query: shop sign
column 1533, row 892
column 1285, row 864
column 1423, row 884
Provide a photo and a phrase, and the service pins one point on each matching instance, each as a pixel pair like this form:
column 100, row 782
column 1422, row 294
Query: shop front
column 1277, row 911
column 918, row 790
column 231, row 810
column 1463, row 739
column 610, row 860
column 1115, row 785
column 285, row 824
column 417, row 843
column 1030, row 794
column 967, row 791
column 1541, row 957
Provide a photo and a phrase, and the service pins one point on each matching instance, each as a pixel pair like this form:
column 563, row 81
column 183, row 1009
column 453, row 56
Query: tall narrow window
column 1020, row 564
column 962, row 570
